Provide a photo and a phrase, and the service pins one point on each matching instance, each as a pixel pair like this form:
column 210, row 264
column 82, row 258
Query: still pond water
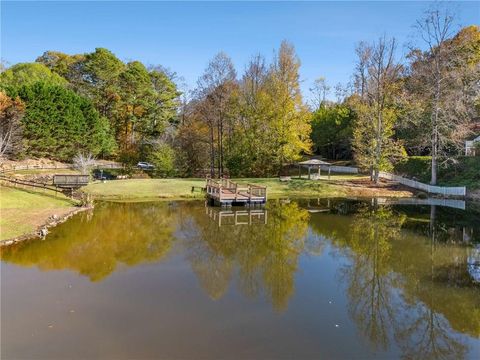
column 303, row 279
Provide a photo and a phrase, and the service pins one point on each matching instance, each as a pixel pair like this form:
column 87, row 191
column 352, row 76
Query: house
column 471, row 147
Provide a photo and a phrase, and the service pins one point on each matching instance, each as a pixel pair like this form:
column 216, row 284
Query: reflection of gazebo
column 313, row 163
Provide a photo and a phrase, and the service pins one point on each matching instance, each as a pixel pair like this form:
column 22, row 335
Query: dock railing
column 217, row 187
column 257, row 191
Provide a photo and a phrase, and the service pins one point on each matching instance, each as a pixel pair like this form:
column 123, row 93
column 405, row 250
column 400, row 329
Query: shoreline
column 49, row 223
column 356, row 188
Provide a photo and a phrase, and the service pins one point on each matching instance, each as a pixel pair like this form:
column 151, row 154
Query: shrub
column 163, row 158
column 414, row 167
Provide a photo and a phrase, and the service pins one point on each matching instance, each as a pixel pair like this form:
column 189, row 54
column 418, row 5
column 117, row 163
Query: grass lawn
column 22, row 212
column 148, row 189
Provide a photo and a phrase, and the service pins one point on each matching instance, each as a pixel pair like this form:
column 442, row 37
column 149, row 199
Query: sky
column 183, row 36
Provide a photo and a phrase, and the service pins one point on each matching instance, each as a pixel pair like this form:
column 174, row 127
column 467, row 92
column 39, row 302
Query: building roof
column 314, row 162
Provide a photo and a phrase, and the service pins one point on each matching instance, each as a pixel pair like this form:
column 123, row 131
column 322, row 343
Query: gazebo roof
column 314, row 162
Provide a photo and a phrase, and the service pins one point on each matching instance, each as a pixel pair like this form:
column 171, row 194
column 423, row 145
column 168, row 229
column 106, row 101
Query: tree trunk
column 212, row 153
column 433, row 180
column 378, row 150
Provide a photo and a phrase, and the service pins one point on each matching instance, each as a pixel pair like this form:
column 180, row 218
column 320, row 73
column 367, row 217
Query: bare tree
column 363, row 52
column 319, row 91
column 435, row 29
column 83, row 162
column 11, row 113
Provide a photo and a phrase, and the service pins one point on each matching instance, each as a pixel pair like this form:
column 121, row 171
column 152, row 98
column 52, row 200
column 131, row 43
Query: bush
column 415, row 167
column 422, row 195
column 129, row 159
column 163, row 158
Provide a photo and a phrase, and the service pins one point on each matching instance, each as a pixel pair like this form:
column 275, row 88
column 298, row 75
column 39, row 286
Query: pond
column 303, row 279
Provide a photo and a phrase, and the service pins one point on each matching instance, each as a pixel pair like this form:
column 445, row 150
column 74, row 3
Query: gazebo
column 313, row 163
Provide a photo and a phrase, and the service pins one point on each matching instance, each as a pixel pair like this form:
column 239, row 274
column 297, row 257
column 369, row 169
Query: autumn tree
column 11, row 113
column 290, row 119
column 379, row 73
column 251, row 150
column 214, row 94
column 140, row 103
column 444, row 84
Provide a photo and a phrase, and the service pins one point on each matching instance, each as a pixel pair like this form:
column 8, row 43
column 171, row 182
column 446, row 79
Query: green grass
column 147, row 189
column 22, row 211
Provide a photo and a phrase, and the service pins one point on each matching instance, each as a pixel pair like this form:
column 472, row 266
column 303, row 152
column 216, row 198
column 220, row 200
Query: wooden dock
column 70, row 181
column 224, row 192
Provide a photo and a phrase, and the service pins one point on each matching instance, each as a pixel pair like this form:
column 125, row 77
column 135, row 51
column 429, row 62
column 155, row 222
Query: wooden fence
column 112, row 165
column 431, row 189
column 21, row 183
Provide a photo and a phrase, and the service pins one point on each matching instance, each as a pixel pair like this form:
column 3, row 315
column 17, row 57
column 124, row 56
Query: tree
column 319, row 92
column 332, row 131
column 444, row 82
column 67, row 66
column 162, row 156
column 192, row 142
column 29, row 73
column 250, row 150
column 435, row 29
column 58, row 123
column 214, row 92
column 376, row 113
column 11, row 113
column 83, row 162
column 290, row 118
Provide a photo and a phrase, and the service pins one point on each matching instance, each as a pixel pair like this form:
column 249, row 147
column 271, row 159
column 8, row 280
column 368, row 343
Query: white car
column 145, row 166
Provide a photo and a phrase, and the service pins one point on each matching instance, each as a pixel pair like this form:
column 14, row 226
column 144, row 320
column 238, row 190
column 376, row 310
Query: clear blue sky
column 183, row 36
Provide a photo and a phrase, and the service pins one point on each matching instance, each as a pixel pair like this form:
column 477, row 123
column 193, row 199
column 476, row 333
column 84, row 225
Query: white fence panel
column 340, row 169
column 443, row 190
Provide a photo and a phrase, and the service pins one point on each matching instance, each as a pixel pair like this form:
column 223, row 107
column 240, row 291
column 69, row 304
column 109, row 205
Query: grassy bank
column 22, row 212
column 149, row 189
column 465, row 171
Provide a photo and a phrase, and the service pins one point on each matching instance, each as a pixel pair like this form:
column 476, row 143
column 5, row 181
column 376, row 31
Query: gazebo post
column 329, row 168
column 312, row 163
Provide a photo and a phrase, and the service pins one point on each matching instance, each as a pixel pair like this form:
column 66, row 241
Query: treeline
column 90, row 103
column 425, row 102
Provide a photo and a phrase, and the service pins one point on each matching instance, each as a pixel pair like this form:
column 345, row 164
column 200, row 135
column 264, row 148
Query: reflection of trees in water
column 426, row 334
column 410, row 287
column 265, row 256
column 94, row 244
column 396, row 284
column 370, row 281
